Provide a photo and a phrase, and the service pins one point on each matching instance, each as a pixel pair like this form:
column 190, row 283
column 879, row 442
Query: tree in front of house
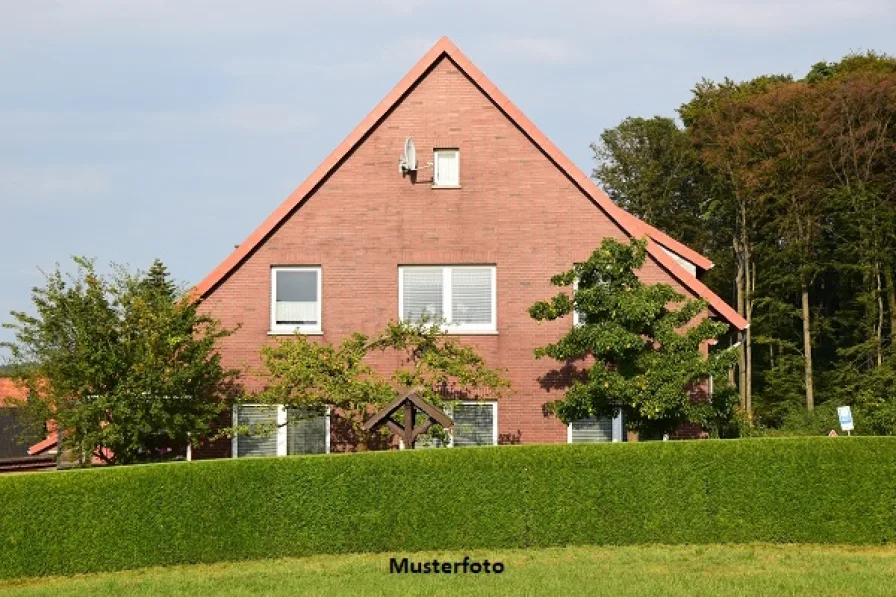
column 125, row 365
column 308, row 376
column 640, row 345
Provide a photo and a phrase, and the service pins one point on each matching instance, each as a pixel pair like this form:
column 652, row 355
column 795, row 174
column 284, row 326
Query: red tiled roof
column 676, row 247
column 9, row 389
column 43, row 446
column 444, row 47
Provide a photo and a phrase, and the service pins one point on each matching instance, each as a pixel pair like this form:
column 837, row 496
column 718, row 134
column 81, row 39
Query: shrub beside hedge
column 816, row 490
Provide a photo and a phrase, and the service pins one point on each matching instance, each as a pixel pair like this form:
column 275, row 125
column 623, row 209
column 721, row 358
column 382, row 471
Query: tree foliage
column 798, row 179
column 302, row 373
column 642, row 343
column 126, row 366
column 650, row 168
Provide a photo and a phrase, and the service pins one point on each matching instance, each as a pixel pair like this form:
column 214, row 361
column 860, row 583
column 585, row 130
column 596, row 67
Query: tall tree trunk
column 748, row 337
column 741, row 352
column 880, row 315
column 891, row 303
column 807, row 348
column 748, row 280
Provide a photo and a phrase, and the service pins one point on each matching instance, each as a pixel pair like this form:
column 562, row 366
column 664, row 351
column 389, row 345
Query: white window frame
column 617, row 433
column 447, row 306
column 281, row 429
column 435, row 167
column 494, row 405
column 575, row 312
column 289, row 328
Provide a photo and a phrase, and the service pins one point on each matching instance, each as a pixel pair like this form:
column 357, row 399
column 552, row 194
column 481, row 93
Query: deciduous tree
column 126, row 366
column 640, row 344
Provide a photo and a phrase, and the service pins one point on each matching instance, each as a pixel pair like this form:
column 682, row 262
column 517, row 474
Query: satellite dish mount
column 408, row 160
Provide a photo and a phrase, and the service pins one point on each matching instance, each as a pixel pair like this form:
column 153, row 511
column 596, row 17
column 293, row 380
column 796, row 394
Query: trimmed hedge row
column 781, row 490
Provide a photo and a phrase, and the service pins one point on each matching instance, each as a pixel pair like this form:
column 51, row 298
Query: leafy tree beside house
column 306, row 375
column 642, row 345
column 126, row 365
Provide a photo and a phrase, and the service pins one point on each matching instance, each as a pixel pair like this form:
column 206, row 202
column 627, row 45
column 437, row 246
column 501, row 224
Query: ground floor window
column 276, row 430
column 593, row 429
column 475, row 424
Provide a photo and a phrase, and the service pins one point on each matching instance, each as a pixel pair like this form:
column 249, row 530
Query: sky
column 172, row 128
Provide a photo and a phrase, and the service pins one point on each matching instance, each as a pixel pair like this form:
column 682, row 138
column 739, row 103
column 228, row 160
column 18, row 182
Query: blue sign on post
column 845, row 415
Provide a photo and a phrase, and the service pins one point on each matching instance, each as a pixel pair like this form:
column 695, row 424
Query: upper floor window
column 446, row 168
column 463, row 297
column 295, row 299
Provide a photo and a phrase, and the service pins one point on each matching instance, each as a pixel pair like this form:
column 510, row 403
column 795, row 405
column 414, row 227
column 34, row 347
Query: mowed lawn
column 643, row 570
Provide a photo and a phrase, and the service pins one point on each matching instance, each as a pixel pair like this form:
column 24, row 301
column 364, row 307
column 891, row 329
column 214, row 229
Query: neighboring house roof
column 444, row 47
column 44, row 446
column 10, row 389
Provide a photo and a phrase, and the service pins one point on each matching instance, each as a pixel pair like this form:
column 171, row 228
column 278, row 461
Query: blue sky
column 171, row 128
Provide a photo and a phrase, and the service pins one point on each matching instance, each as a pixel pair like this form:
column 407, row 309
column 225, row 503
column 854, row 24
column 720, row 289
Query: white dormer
column 687, row 265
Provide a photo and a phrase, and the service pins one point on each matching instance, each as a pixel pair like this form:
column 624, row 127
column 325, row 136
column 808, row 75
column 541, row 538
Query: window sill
column 446, row 186
column 293, row 332
column 471, row 332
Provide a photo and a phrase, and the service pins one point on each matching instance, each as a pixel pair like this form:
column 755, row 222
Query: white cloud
column 192, row 18
column 254, row 120
column 21, row 185
column 539, row 49
column 535, row 27
column 764, row 17
column 401, row 53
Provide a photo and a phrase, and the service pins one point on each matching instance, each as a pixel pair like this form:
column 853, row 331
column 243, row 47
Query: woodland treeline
column 789, row 186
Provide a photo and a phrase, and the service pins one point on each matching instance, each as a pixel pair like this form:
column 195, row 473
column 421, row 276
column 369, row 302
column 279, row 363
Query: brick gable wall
column 515, row 209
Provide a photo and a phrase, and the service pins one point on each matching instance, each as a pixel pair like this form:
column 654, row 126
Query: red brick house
column 15, row 454
column 475, row 238
column 11, row 445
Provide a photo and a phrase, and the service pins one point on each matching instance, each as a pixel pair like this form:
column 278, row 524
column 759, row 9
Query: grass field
column 643, row 570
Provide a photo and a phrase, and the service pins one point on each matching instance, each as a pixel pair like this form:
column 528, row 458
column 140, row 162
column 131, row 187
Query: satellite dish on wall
column 408, row 160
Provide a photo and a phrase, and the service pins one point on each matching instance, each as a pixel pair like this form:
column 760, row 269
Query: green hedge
column 790, row 490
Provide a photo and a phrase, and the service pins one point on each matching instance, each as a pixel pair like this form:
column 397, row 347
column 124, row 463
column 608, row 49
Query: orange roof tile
column 44, row 445
column 10, row 389
column 444, row 47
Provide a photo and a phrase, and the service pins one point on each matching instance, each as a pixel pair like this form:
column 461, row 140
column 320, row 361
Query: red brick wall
column 515, row 210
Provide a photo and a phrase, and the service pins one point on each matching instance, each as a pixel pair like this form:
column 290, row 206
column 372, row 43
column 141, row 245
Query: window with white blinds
column 594, row 430
column 462, row 297
column 446, row 168
column 475, row 424
column 307, row 431
column 260, row 436
column 296, row 299
column 274, row 430
column 423, row 293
